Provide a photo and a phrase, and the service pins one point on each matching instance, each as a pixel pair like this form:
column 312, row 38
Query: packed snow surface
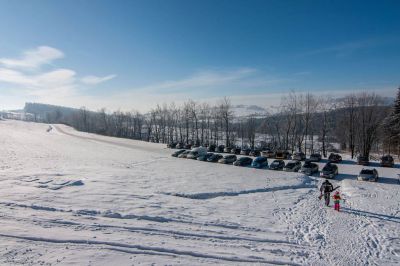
column 72, row 198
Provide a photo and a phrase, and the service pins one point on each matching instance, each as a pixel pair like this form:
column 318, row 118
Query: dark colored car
column 180, row 145
column 387, row 161
column 243, row 161
column 309, row 168
column 292, row 166
column 228, row 159
column 334, row 158
column 368, row 175
column 268, row 154
column 245, row 151
column 280, row 155
column 192, row 155
column 183, row 154
column 227, row 149
column 172, row 145
column 211, row 148
column 299, row 156
column 220, row 148
column 277, row 165
column 330, row 170
column 205, row 157
column 215, row 158
column 188, row 146
column 260, row 162
column 363, row 160
column 255, row 153
column 235, row 150
column 177, row 153
column 315, row 157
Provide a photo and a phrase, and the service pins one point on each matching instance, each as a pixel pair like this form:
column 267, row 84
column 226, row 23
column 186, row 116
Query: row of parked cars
column 309, row 167
column 386, row 161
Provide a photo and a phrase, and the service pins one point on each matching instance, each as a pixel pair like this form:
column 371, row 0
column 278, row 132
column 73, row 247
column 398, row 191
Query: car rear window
column 367, row 172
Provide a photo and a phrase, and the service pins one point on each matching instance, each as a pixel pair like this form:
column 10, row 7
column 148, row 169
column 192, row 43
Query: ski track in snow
column 68, row 197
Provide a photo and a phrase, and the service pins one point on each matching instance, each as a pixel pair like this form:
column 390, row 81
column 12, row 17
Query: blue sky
column 135, row 54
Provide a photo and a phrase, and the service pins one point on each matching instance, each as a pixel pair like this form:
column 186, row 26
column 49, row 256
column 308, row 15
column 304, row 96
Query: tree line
column 360, row 123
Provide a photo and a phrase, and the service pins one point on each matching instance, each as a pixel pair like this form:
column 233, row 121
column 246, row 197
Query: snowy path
column 68, row 197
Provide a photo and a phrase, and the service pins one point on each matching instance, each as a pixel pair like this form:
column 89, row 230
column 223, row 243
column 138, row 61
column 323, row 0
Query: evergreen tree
column 392, row 125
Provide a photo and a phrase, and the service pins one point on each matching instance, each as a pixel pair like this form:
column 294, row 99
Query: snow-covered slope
column 68, row 197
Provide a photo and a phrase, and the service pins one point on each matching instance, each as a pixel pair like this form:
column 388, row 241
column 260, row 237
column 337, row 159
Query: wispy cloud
column 28, row 78
column 94, row 80
column 40, row 84
column 348, row 48
column 33, row 59
column 202, row 79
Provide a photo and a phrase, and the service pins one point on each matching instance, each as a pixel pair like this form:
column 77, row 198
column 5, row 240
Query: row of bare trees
column 305, row 122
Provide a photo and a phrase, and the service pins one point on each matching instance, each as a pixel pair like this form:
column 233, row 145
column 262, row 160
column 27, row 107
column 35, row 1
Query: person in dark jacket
column 326, row 189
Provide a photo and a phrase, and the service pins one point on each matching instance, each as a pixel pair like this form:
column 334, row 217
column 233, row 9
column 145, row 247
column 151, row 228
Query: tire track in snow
column 111, row 215
column 123, row 145
column 135, row 247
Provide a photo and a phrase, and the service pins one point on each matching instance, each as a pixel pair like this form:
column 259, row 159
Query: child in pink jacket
column 336, row 200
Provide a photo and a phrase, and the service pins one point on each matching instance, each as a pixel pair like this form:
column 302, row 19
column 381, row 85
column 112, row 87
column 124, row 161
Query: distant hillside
column 47, row 112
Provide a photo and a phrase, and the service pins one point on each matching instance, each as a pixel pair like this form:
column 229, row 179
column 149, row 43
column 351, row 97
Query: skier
column 326, row 189
column 336, row 200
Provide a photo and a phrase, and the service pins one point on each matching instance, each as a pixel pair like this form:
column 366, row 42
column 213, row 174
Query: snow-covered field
column 68, row 197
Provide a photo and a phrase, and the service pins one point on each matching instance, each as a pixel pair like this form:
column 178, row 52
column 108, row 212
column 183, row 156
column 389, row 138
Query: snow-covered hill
column 74, row 198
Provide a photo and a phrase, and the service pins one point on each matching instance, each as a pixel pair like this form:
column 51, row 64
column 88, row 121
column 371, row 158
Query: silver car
column 368, row 175
column 292, row 166
column 309, row 168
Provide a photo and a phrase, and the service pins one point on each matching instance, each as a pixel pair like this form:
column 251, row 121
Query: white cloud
column 30, row 81
column 94, row 80
column 204, row 79
column 40, row 84
column 33, row 59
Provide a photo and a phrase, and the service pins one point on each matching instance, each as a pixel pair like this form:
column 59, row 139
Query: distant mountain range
column 246, row 110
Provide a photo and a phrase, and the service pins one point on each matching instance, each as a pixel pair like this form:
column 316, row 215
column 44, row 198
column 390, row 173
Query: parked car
column 215, row 158
column 228, row 159
column 255, row 153
column 280, row 155
column 260, row 162
column 268, row 154
column 196, row 152
column 368, row 175
column 363, row 160
column 180, row 145
column 171, row 145
column 188, row 146
column 177, row 153
column 243, row 161
column 184, row 154
column 205, row 157
column 220, row 148
column 227, row 149
column 211, row 148
column 235, row 150
column 387, row 161
column 330, row 170
column 315, row 157
column 245, row 151
column 292, row 166
column 299, row 156
column 334, row 158
column 309, row 168
column 277, row 165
